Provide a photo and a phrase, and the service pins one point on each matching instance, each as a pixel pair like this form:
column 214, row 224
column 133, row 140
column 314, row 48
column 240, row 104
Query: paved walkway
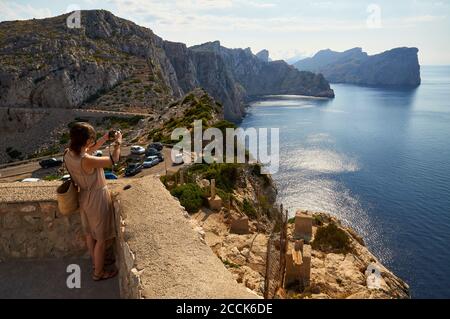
column 46, row 279
column 175, row 263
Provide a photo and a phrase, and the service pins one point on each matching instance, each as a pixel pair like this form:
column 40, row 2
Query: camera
column 112, row 134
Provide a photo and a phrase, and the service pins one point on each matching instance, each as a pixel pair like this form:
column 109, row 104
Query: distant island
column 396, row 67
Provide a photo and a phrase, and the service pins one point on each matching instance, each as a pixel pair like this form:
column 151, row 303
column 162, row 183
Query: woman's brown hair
column 79, row 134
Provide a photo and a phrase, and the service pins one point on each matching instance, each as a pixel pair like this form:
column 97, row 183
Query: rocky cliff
column 112, row 63
column 396, row 67
column 263, row 55
column 230, row 75
column 45, row 64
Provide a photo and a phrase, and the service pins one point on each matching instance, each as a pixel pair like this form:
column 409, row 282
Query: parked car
column 151, row 152
column 98, row 153
column 178, row 160
column 133, row 169
column 157, row 146
column 110, row 175
column 31, row 180
column 65, row 177
column 137, row 150
column 154, row 152
column 150, row 161
column 50, row 162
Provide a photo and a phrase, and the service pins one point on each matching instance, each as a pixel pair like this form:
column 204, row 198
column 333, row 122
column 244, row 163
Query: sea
column 379, row 159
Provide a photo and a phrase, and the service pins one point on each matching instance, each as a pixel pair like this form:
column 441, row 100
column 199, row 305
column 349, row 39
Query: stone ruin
column 240, row 225
column 303, row 226
column 214, row 201
column 298, row 255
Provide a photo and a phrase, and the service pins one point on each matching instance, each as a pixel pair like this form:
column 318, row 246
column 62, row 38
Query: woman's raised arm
column 90, row 162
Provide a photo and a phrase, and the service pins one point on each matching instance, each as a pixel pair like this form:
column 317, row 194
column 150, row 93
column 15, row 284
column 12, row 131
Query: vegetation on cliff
column 191, row 196
column 330, row 238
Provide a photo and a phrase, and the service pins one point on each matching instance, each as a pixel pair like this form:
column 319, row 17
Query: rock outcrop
column 230, row 75
column 111, row 63
column 263, row 55
column 348, row 275
column 46, row 64
column 396, row 67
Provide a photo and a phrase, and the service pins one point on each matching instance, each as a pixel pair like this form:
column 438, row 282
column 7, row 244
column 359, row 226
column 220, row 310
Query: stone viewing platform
column 158, row 251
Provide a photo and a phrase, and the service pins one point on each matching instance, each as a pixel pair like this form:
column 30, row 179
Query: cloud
column 11, row 10
column 411, row 21
column 203, row 4
column 423, row 18
column 206, row 15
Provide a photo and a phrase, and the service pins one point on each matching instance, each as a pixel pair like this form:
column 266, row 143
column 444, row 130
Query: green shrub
column 223, row 125
column 226, row 196
column 249, row 209
column 191, row 196
column 318, row 220
column 47, row 152
column 225, row 174
column 64, row 139
column 13, row 153
column 188, row 98
column 256, row 170
column 330, row 238
column 51, row 178
column 230, row 264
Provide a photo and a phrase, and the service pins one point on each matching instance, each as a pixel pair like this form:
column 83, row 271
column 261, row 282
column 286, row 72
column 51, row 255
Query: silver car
column 137, row 150
column 150, row 161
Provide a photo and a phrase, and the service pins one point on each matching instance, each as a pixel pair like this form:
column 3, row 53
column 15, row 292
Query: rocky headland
column 112, row 63
column 396, row 67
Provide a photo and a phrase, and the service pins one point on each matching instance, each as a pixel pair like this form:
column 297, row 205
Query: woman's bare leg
column 99, row 256
column 90, row 243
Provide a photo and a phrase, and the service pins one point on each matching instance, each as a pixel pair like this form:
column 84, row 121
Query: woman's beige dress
column 96, row 207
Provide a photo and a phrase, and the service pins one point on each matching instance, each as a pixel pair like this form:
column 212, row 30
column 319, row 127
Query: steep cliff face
column 46, row 64
column 263, row 55
column 266, row 78
column 208, row 70
column 231, row 75
column 396, row 67
column 111, row 63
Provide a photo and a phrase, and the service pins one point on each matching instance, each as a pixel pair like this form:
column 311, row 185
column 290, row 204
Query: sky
column 287, row 28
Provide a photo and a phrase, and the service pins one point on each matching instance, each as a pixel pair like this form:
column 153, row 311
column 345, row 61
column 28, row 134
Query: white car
column 178, row 159
column 137, row 150
column 98, row 153
column 31, row 180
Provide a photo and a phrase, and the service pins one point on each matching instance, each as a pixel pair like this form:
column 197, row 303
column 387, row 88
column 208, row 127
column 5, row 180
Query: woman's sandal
column 105, row 275
column 107, row 263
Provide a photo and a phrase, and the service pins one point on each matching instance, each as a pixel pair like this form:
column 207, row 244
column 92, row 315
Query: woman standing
column 96, row 207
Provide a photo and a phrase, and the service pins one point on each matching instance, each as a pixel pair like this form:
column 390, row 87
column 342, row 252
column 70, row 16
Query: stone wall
column 129, row 277
column 158, row 252
column 36, row 229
